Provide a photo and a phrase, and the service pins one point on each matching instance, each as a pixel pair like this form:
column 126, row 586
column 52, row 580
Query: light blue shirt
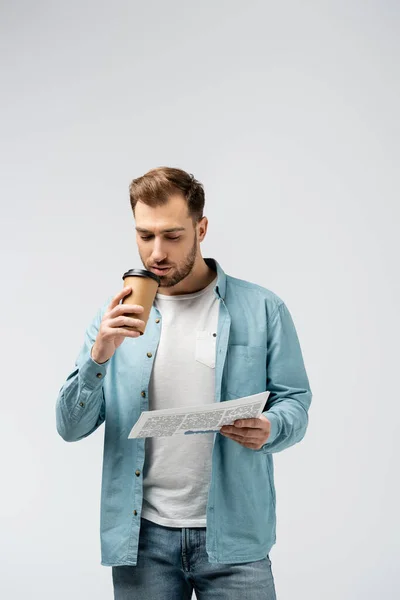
column 257, row 349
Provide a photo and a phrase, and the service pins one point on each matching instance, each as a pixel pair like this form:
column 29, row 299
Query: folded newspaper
column 205, row 418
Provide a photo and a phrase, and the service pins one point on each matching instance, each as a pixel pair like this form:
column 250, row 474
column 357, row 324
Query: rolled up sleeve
column 290, row 394
column 80, row 406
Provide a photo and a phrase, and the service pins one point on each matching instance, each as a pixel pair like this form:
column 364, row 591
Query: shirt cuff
column 93, row 373
column 274, row 420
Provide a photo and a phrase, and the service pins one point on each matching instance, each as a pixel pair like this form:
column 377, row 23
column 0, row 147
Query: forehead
column 172, row 216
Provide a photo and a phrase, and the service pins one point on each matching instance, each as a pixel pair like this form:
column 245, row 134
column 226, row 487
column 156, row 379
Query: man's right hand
column 111, row 332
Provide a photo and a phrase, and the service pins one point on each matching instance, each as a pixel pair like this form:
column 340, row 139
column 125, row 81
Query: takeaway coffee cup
column 144, row 286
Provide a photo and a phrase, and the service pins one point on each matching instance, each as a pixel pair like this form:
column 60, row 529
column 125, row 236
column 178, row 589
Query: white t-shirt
column 177, row 469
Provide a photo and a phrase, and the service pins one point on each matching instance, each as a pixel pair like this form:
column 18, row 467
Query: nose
column 158, row 255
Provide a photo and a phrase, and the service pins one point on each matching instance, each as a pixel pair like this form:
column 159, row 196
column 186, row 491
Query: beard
column 178, row 273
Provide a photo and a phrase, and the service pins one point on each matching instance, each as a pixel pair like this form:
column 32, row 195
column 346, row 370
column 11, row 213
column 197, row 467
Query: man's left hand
column 251, row 433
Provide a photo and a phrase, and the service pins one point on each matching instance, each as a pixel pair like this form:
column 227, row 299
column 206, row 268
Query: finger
column 115, row 301
column 128, row 321
column 253, row 444
column 252, row 423
column 242, row 431
column 122, row 309
column 242, row 438
column 130, row 308
column 126, row 332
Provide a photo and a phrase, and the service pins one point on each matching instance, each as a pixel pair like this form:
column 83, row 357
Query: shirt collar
column 220, row 286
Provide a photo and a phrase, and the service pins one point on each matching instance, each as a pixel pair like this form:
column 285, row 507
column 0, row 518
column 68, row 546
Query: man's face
column 176, row 249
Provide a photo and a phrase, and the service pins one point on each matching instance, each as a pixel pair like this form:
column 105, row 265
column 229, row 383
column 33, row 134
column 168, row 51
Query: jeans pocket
column 205, row 348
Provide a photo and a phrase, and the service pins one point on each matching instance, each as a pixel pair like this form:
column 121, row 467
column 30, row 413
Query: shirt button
column 137, row 473
column 149, row 354
column 214, row 334
column 135, row 512
column 143, row 394
column 81, row 404
column 157, row 320
column 99, row 375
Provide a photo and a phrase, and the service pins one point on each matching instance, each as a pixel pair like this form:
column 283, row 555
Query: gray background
column 288, row 113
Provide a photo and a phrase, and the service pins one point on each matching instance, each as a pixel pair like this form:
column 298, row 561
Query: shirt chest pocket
column 205, row 348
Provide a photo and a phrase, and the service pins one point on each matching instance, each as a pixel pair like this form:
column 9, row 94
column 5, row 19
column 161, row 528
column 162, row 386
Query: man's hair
column 156, row 186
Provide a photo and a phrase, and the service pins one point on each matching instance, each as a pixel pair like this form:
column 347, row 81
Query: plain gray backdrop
column 288, row 113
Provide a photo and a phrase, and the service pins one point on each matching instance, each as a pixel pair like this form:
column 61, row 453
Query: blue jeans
column 172, row 562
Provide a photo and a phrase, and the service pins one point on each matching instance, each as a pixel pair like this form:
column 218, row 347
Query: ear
column 202, row 228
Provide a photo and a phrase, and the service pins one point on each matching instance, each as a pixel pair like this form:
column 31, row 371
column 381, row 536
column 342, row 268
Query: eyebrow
column 170, row 230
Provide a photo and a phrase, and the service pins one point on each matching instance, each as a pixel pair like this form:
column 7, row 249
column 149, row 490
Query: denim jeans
column 172, row 562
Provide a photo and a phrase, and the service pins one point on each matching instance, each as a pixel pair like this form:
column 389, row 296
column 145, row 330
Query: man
column 197, row 513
